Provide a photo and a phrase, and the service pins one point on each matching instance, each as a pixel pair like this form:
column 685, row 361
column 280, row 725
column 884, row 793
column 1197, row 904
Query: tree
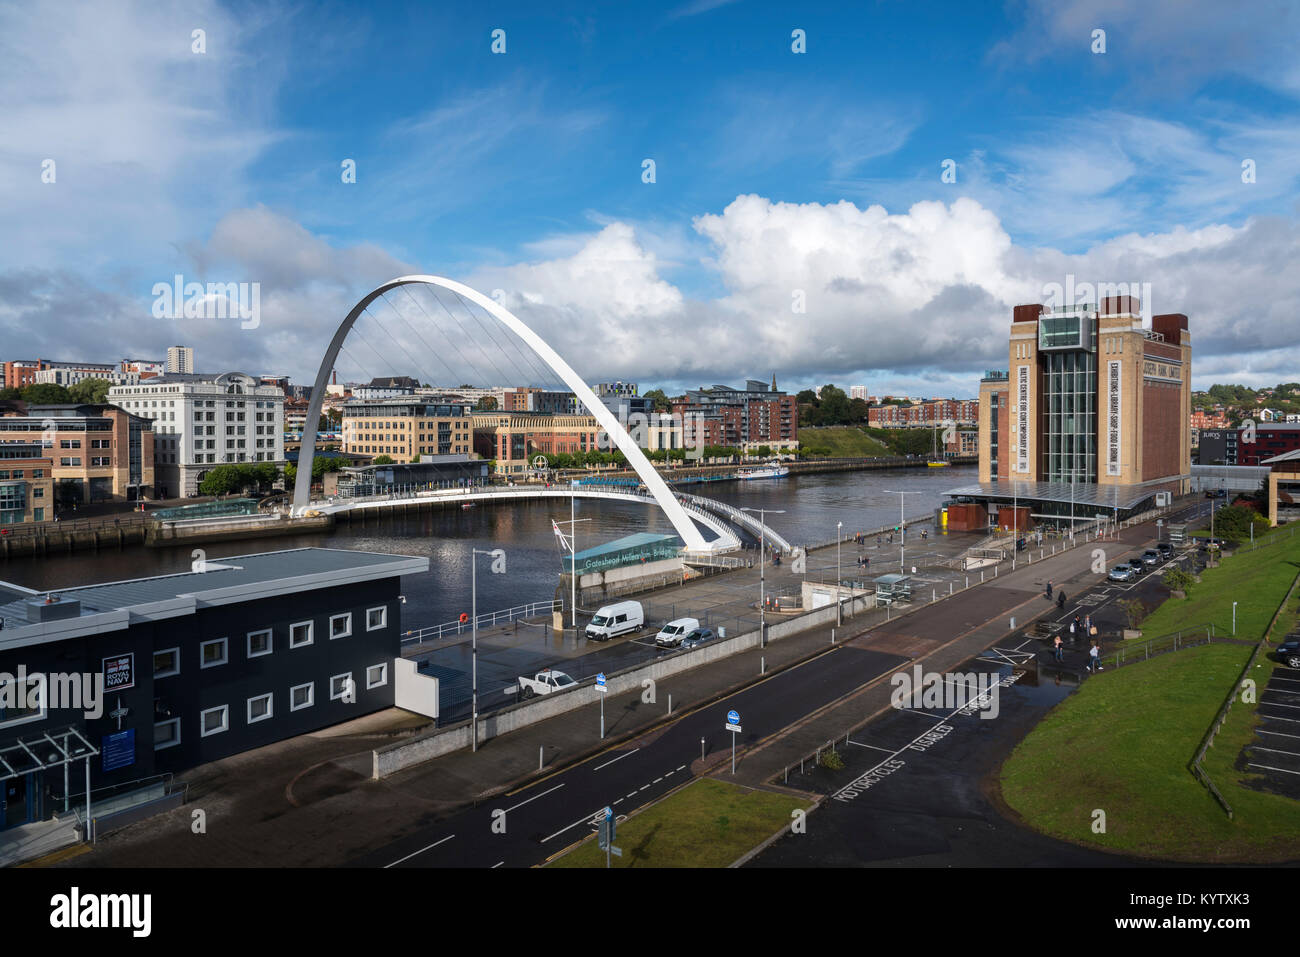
column 93, row 391
column 382, row 460
column 834, row 406
column 45, row 393
column 661, row 401
column 487, row 403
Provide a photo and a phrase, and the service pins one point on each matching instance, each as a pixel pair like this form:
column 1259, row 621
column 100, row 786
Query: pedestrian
column 1094, row 658
column 1087, row 624
column 866, row 562
column 1060, row 599
column 1071, row 633
column 1049, row 589
column 1058, row 648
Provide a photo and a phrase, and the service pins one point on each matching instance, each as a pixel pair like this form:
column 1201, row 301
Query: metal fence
column 486, row 620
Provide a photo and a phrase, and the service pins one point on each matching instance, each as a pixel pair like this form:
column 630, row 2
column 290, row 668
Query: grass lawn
column 843, row 441
column 1122, row 743
column 1256, row 580
column 710, row 823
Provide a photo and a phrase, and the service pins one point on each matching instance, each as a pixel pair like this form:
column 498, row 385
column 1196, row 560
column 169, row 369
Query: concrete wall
column 413, row 691
column 400, row 755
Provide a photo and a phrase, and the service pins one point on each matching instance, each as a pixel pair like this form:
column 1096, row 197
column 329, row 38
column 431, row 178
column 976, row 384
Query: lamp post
column 1234, row 619
column 473, row 604
column 762, row 566
column 902, row 529
column 839, row 605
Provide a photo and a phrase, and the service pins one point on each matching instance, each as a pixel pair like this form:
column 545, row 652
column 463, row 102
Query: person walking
column 1049, row 589
column 1058, row 647
column 1060, row 599
column 1072, row 632
column 1094, row 658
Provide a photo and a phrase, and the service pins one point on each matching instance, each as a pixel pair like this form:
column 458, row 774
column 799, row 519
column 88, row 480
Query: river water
column 812, row 504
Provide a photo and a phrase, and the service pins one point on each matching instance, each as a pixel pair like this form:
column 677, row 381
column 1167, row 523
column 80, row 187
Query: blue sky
column 776, row 172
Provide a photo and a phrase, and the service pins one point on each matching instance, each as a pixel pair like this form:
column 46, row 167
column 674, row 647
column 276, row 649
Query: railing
column 62, row 526
column 486, row 620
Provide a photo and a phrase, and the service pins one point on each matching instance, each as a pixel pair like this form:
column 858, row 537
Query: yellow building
column 405, row 428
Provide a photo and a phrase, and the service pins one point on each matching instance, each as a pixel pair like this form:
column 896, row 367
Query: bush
column 831, row 761
column 1177, row 580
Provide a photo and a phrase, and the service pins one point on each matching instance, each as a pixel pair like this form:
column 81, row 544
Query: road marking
column 1280, row 734
column 1276, row 717
column 656, row 780
column 642, row 788
column 1278, row 704
column 670, row 774
column 682, row 768
column 585, row 819
column 631, row 794
column 1268, row 767
column 871, row 746
column 619, row 758
column 534, row 798
column 618, row 802
column 420, row 851
column 496, row 865
column 1295, row 680
column 1260, row 747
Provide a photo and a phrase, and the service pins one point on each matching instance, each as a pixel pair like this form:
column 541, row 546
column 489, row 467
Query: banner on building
column 1112, row 417
column 1022, row 419
column 119, row 672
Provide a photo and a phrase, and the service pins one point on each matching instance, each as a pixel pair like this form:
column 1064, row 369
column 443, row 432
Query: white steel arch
column 626, row 444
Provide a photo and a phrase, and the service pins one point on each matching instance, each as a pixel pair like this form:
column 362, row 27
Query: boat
column 762, row 472
column 465, row 505
column 935, row 462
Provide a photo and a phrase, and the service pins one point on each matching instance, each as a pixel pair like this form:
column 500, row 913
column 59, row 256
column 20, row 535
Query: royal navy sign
column 119, row 672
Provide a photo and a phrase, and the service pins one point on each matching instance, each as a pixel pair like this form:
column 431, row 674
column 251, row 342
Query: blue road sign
column 600, row 679
column 733, row 717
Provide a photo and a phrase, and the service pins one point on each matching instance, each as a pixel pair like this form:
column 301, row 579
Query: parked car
column 1121, row 573
column 620, row 618
column 1151, row 557
column 545, row 682
column 1289, row 652
column 697, row 637
column 1165, row 549
column 674, row 631
column 1136, row 566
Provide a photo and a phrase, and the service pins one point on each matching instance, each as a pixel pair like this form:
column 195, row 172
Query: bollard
column 701, row 749
column 932, row 596
column 670, row 706
column 762, row 665
column 541, row 750
column 832, row 636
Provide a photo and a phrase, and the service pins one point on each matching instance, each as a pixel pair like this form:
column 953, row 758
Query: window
column 302, row 696
column 167, row 734
column 19, row 704
column 341, row 686
column 376, row 618
column 214, row 720
column 166, row 662
column 376, row 676
column 259, row 708
column 340, row 625
column 213, row 653
column 259, row 643
column 300, row 634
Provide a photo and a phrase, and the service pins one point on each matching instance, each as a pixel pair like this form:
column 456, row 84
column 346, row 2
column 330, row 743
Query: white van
column 620, row 618
column 671, row 634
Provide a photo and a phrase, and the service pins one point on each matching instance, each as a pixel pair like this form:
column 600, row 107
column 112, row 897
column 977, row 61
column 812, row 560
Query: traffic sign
column 600, row 683
column 733, row 717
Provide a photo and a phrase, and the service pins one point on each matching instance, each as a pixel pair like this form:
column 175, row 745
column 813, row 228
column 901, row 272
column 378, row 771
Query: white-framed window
column 214, row 652
column 166, row 734
column 166, row 662
column 19, row 705
column 341, row 625
column 302, row 696
column 300, row 634
column 260, row 643
column 260, row 708
column 376, row 618
column 214, row 720
column 341, row 686
column 377, row 676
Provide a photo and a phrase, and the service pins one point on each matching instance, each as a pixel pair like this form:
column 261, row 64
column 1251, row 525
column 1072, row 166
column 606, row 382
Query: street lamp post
column 902, row 529
column 762, row 566
column 473, row 605
column 839, row 605
column 1234, row 619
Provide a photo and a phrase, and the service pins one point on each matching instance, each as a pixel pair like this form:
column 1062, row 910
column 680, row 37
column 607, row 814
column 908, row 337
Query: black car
column 1165, row 549
column 1289, row 652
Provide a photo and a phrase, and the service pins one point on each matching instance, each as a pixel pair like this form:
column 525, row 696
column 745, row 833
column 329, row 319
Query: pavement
column 309, row 802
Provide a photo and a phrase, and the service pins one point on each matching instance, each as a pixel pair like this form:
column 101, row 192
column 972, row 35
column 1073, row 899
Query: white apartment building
column 180, row 359
column 205, row 420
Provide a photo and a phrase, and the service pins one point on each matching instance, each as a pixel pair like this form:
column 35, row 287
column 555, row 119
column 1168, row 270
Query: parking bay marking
column 619, row 758
column 420, row 851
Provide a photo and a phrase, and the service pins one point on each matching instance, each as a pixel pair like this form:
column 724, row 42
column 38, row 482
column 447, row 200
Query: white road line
column 534, row 798
column 420, row 851
column 1278, row 704
column 656, row 780
column 1268, row 767
column 619, row 758
column 682, row 768
column 1276, row 717
column 618, row 802
column 630, row 794
column 496, row 865
column 1260, row 747
column 670, row 774
column 642, row 788
column 871, row 746
column 585, row 819
column 1280, row 734
column 1296, row 680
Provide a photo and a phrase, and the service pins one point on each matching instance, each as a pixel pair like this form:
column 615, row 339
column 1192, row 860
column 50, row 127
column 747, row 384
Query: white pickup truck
column 545, row 682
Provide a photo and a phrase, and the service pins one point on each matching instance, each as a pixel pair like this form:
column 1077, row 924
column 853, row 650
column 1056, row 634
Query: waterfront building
column 758, row 414
column 431, row 472
column 512, row 439
column 201, row 420
column 1090, row 417
column 234, row 655
column 386, row 388
column 406, row 427
column 529, row 399
column 98, row 453
column 931, row 413
column 26, row 483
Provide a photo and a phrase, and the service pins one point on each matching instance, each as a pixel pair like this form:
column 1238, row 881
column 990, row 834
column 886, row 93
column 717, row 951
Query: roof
column 1284, row 457
column 1083, row 494
column 635, row 540
column 114, row 606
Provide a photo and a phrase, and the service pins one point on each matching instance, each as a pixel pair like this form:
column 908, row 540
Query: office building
column 406, row 428
column 26, row 483
column 513, row 439
column 180, row 359
column 201, row 420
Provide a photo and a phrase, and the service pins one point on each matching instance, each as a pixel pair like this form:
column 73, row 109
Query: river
column 812, row 504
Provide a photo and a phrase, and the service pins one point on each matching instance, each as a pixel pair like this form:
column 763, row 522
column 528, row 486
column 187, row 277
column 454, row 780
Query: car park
column 697, row 637
column 1121, row 573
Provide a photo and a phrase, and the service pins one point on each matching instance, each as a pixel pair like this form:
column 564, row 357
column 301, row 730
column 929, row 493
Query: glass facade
column 1069, row 416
